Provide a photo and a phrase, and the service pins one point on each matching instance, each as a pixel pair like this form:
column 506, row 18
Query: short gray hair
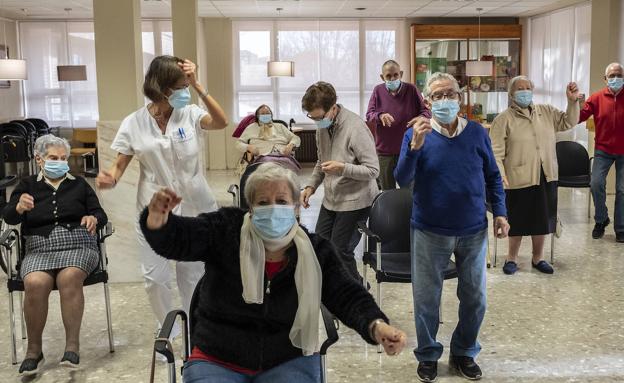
column 616, row 65
column 44, row 142
column 271, row 172
column 513, row 81
column 437, row 76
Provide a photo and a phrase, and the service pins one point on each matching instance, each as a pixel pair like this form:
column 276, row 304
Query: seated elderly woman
column 266, row 136
column 257, row 319
column 59, row 214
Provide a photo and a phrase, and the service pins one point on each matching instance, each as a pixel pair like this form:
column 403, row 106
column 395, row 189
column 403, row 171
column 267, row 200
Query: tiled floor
column 568, row 327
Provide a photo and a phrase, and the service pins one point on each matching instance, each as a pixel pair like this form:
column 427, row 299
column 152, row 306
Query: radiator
column 306, row 152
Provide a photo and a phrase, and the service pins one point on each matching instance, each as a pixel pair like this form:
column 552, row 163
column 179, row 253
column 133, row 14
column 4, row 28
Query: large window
column 348, row 54
column 46, row 45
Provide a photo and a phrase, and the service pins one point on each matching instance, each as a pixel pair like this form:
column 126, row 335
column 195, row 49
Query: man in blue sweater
column 451, row 164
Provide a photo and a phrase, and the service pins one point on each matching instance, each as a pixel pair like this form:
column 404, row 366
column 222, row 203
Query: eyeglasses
column 316, row 118
column 614, row 75
column 442, row 96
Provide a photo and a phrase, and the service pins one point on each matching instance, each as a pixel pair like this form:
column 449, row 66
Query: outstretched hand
column 392, row 339
column 162, row 203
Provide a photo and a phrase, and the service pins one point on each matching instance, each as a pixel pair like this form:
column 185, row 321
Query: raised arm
column 588, row 109
column 108, row 179
column 186, row 238
column 569, row 119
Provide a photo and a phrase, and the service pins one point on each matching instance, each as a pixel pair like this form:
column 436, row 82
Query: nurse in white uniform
column 165, row 137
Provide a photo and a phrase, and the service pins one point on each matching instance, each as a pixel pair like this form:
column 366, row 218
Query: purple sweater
column 403, row 106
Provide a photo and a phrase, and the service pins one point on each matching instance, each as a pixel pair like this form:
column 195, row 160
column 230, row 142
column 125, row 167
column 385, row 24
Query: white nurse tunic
column 168, row 160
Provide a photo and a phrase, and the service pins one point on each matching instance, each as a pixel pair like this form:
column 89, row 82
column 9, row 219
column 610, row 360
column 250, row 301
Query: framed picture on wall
column 4, row 54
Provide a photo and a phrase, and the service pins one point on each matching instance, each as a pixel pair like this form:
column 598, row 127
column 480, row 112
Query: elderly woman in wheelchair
column 266, row 137
column 59, row 214
column 257, row 319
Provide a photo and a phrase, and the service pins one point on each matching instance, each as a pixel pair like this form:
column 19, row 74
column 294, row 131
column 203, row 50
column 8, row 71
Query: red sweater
column 608, row 112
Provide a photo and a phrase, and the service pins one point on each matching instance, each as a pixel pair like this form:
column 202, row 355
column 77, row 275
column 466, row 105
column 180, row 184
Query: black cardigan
column 65, row 206
column 254, row 336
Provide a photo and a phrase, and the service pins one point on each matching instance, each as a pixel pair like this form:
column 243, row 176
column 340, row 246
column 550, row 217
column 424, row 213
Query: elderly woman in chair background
column 257, row 319
column 266, row 136
column 59, row 215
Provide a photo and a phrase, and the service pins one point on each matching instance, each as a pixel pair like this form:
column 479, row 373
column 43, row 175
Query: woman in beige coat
column 523, row 141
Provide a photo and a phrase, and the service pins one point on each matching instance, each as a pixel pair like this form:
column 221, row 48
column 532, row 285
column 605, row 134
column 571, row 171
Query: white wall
column 10, row 99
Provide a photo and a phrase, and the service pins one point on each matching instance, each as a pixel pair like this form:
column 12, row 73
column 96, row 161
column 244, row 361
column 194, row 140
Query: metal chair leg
column 323, row 369
column 22, row 317
column 364, row 275
column 495, row 250
column 379, row 349
column 440, row 319
column 552, row 249
column 109, row 320
column 589, row 203
column 12, row 330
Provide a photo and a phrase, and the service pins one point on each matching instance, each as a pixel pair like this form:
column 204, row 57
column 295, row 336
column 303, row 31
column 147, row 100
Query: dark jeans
column 340, row 227
column 602, row 163
column 387, row 163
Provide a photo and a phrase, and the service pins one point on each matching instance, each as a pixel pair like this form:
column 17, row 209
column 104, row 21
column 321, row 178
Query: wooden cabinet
column 447, row 48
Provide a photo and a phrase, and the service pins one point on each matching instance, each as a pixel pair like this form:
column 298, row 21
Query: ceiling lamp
column 72, row 72
column 281, row 69
column 11, row 69
column 478, row 67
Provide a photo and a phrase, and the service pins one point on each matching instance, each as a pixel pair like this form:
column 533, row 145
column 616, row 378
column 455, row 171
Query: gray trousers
column 387, row 163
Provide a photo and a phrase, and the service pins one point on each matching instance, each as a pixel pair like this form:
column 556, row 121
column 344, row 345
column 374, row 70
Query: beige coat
column 276, row 140
column 524, row 143
column 351, row 142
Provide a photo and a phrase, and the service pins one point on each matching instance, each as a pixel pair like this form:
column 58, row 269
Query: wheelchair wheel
column 4, row 261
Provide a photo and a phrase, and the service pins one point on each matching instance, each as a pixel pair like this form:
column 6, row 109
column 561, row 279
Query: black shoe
column 70, row 359
column 510, row 267
column 599, row 229
column 619, row 237
column 427, row 371
column 465, row 366
column 543, row 267
column 30, row 366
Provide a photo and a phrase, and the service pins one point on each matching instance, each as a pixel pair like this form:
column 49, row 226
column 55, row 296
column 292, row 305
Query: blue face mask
column 55, row 169
column 324, row 123
column 273, row 221
column 523, row 97
column 393, row 85
column 265, row 118
column 180, row 98
column 445, row 111
column 615, row 83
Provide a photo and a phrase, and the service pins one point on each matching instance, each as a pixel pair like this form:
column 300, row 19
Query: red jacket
column 608, row 112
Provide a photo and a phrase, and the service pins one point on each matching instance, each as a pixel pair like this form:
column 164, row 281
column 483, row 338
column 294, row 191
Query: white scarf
column 308, row 279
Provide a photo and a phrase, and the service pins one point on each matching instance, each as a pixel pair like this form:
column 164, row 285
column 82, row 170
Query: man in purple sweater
column 393, row 108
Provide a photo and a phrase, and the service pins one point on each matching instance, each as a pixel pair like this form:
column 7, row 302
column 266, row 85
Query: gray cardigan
column 352, row 143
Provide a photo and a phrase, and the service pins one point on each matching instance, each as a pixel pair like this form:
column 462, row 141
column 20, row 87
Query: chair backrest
column 250, row 169
column 85, row 136
column 573, row 159
column 389, row 218
column 243, row 124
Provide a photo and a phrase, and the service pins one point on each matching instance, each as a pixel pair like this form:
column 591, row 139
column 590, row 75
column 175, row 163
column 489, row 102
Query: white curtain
column 559, row 45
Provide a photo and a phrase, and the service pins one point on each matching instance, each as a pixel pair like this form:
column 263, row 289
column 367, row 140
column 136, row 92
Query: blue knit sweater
column 453, row 178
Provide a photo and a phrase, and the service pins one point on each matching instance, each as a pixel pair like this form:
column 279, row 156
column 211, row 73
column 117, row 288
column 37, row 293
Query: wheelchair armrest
column 90, row 154
column 7, row 181
column 161, row 344
column 233, row 189
column 8, row 237
column 330, row 327
column 105, row 232
column 362, row 228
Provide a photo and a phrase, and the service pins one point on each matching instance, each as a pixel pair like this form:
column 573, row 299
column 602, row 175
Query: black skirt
column 532, row 210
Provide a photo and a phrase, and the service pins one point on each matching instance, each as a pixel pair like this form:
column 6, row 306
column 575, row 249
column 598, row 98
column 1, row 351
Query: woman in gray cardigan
column 347, row 166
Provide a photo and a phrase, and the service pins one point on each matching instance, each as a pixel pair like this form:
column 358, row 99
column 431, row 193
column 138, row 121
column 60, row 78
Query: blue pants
column 430, row 257
column 602, row 163
column 305, row 369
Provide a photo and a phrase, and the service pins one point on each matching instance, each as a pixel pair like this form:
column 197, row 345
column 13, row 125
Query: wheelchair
column 162, row 344
column 12, row 252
